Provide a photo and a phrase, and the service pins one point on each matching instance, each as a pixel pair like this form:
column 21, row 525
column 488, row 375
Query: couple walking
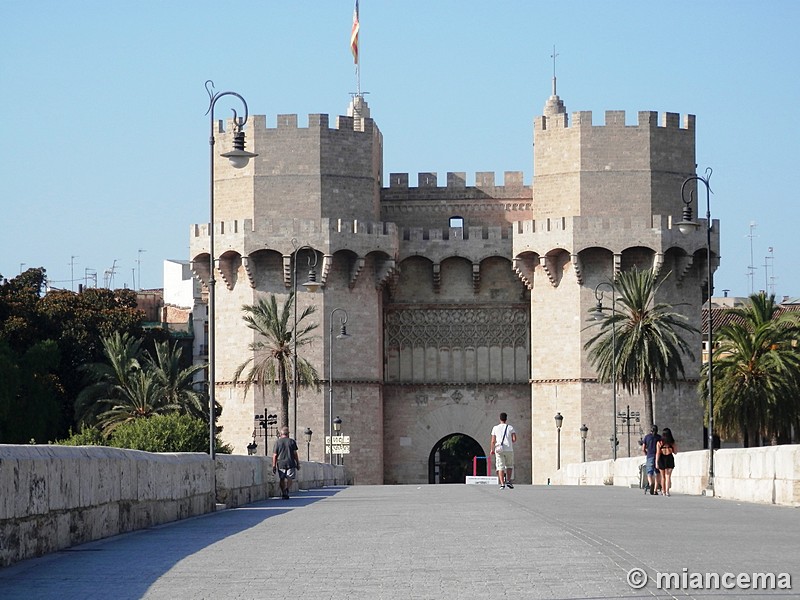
column 660, row 453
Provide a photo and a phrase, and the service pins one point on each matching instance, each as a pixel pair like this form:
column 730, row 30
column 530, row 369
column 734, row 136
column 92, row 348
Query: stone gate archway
column 451, row 459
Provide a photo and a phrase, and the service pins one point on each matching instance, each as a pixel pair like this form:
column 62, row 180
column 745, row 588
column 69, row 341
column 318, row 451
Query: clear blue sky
column 105, row 147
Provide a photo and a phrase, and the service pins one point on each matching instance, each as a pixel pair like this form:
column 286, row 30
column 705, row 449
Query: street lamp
column 627, row 418
column 584, row 432
column 311, row 286
column 598, row 316
column 308, row 433
column 342, row 335
column 337, row 429
column 686, row 226
column 559, row 421
column 252, row 448
column 238, row 158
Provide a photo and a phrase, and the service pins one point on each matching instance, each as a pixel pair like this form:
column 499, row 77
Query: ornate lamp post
column 238, row 158
column 342, row 335
column 337, row 429
column 686, row 226
column 598, row 316
column 312, row 286
column 559, row 421
column 308, row 433
column 584, row 432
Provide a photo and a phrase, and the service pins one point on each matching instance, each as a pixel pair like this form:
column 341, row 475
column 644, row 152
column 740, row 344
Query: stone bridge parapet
column 53, row 497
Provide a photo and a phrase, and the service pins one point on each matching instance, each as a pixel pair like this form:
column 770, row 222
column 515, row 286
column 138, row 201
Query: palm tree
column 756, row 372
column 648, row 345
column 272, row 352
column 175, row 382
column 140, row 398
column 107, row 379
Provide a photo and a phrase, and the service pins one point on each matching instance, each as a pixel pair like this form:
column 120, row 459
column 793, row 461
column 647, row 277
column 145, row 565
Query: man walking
column 502, row 446
column 649, row 446
column 285, row 461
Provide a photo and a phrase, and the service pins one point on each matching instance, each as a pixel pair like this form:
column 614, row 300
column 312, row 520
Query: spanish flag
column 354, row 35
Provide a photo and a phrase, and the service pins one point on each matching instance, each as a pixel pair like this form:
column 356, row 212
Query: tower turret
column 604, row 200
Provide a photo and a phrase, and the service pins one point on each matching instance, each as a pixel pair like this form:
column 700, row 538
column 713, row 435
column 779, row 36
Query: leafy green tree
column 756, row 370
column 648, row 344
column 75, row 323
column 30, row 397
column 272, row 358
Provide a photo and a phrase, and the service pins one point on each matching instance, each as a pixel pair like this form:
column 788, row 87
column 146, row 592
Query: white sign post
column 340, row 444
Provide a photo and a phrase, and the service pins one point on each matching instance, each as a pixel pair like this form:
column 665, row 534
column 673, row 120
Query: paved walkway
column 437, row 542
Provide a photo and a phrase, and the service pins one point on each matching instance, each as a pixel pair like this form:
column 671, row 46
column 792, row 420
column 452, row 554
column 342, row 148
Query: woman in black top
column 665, row 459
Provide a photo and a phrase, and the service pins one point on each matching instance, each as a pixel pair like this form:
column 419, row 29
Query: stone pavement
column 431, row 541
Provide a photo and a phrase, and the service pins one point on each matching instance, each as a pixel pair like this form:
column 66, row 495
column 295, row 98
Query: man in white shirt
column 502, row 446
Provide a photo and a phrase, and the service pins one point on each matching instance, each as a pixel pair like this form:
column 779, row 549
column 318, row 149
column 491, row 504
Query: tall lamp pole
column 598, row 315
column 584, row 433
column 238, row 157
column 559, row 421
column 687, row 225
column 312, row 286
column 308, row 433
column 342, row 335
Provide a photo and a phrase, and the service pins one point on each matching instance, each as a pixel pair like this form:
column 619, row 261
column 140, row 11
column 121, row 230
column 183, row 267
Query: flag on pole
column 354, row 35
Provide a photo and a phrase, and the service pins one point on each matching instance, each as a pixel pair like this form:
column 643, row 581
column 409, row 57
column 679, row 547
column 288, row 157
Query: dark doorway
column 451, row 459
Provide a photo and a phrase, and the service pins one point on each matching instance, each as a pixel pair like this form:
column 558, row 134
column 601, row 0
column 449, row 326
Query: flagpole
column 355, row 49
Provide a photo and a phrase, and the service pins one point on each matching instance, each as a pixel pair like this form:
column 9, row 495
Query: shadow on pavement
column 125, row 566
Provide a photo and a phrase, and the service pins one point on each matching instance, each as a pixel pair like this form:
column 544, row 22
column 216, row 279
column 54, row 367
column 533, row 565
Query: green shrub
column 88, row 436
column 165, row 433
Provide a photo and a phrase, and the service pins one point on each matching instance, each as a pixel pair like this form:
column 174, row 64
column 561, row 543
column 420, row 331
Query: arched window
column 457, row 221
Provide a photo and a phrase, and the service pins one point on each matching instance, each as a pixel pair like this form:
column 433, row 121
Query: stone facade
column 461, row 301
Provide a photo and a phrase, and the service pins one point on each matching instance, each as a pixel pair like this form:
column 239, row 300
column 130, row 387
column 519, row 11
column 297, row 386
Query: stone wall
column 770, row 474
column 54, row 497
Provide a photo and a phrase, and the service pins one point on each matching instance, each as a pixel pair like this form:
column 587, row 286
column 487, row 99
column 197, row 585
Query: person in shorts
column 285, row 461
column 502, row 446
column 649, row 447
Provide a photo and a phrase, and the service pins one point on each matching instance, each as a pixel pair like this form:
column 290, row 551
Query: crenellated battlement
column 575, row 233
column 287, row 122
column 456, row 187
column 617, row 118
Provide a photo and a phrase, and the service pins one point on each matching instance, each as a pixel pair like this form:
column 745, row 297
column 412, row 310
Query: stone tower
column 316, row 188
column 605, row 199
column 462, row 300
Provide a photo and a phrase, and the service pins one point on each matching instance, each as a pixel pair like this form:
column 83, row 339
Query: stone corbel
column 577, row 267
column 201, row 271
column 327, row 261
column 476, row 277
column 228, row 268
column 544, row 262
column 524, row 270
column 683, row 264
column 287, row 270
column 248, row 269
column 385, row 272
column 658, row 263
column 437, row 277
column 355, row 271
column 617, row 265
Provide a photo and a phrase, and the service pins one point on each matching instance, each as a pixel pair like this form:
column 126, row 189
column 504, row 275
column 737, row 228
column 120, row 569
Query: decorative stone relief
column 457, row 327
